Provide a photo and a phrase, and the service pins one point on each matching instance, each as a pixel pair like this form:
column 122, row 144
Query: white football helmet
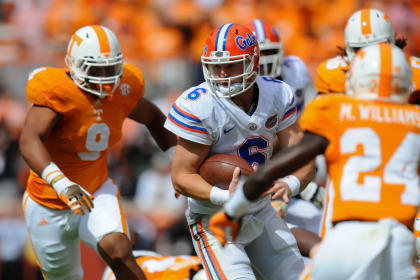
column 380, row 72
column 367, row 27
column 271, row 47
column 95, row 60
column 227, row 45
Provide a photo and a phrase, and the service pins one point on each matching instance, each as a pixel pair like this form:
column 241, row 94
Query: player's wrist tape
column 219, row 196
column 55, row 178
column 238, row 204
column 293, row 182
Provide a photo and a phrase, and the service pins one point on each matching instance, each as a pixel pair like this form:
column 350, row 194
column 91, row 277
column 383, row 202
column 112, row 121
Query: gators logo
column 271, row 121
column 243, row 43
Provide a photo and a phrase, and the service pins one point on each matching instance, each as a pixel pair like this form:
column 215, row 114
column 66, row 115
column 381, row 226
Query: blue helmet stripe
column 221, row 37
column 259, row 29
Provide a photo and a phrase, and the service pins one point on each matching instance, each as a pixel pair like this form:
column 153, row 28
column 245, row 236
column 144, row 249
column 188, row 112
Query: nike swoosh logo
column 228, row 130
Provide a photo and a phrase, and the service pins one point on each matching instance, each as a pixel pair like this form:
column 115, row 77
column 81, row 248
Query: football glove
column 223, row 227
column 77, row 198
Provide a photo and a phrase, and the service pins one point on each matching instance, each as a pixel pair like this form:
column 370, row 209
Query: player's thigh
column 344, row 250
column 54, row 238
column 230, row 262
column 360, row 250
column 275, row 254
column 106, row 216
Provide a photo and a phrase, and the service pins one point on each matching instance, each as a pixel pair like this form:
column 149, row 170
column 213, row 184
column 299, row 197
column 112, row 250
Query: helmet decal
column 243, row 43
column 75, row 39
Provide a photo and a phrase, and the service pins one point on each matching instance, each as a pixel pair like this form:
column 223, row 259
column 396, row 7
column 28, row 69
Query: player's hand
column 76, row 197
column 223, row 227
column 279, row 190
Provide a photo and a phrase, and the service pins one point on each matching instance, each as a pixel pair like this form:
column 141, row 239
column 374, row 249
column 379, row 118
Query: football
column 217, row 170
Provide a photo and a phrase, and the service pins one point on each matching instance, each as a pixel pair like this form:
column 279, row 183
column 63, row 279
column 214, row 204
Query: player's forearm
column 163, row 137
column 298, row 157
column 305, row 174
column 284, row 163
column 34, row 152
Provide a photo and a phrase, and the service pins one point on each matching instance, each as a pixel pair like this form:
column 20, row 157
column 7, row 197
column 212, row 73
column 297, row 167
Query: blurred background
column 165, row 38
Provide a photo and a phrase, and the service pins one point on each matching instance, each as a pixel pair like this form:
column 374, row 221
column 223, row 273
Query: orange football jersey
column 331, row 75
column 80, row 140
column 372, row 157
column 164, row 267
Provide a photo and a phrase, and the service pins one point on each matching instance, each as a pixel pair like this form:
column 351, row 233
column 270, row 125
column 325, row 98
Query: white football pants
column 55, row 234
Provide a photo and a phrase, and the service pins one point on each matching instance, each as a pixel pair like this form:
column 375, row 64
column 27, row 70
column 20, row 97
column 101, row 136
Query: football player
column 236, row 112
column 158, row 267
column 76, row 116
column 290, row 69
column 301, row 214
column 365, row 27
column 371, row 140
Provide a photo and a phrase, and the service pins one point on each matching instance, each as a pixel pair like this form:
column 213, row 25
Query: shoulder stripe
column 289, row 113
column 292, row 101
column 186, row 126
column 185, row 114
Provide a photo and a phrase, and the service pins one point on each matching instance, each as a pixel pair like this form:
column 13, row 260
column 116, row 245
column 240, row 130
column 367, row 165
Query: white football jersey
column 199, row 116
column 295, row 73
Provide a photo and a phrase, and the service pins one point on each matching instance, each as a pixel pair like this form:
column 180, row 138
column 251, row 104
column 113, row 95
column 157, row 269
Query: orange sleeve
column 41, row 89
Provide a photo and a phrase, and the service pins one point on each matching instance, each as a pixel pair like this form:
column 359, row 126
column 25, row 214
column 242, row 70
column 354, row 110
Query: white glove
column 76, row 197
